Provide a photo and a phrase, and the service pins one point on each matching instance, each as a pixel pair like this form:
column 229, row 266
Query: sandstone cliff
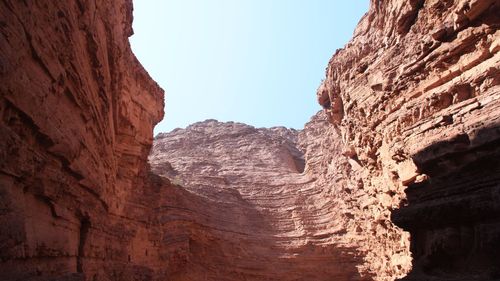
column 415, row 97
column 269, row 217
column 77, row 112
column 257, row 216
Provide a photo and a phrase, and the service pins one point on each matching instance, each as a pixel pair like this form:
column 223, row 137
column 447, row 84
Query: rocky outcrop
column 415, row 98
column 256, row 215
column 269, row 217
column 77, row 112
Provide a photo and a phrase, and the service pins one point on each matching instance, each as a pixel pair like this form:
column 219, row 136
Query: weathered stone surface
column 289, row 224
column 265, row 218
column 419, row 85
column 361, row 207
column 77, row 112
column 414, row 100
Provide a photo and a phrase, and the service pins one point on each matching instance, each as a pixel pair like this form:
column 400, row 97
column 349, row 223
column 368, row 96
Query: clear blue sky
column 253, row 61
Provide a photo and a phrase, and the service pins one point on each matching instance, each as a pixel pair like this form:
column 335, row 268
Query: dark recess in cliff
column 454, row 217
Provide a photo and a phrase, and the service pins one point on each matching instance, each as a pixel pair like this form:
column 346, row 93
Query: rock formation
column 415, row 97
column 289, row 222
column 409, row 136
column 266, row 219
column 77, row 115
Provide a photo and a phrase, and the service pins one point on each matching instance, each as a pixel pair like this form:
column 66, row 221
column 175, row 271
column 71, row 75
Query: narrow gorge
column 396, row 178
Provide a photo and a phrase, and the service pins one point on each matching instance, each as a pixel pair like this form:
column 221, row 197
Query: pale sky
column 253, row 61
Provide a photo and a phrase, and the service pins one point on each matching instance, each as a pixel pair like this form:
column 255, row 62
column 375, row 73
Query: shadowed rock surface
column 77, row 115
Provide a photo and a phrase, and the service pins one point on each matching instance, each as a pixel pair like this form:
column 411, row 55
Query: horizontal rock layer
column 77, row 114
column 415, row 97
column 414, row 101
column 257, row 216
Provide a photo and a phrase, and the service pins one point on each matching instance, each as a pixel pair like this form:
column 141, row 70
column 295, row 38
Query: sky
column 257, row 62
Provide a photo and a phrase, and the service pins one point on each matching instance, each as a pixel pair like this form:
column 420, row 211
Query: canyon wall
column 415, row 98
column 257, row 216
column 254, row 211
column 77, row 115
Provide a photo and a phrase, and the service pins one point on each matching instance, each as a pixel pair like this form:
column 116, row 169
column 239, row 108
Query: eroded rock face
column 77, row 112
column 256, row 215
column 267, row 218
column 415, row 98
column 414, row 101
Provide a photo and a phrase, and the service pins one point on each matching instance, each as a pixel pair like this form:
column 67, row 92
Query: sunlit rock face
column 415, row 98
column 257, row 215
column 269, row 217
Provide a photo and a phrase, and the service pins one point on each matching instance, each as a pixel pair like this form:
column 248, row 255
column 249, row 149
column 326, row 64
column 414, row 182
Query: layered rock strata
column 78, row 202
column 258, row 217
column 409, row 136
column 415, row 97
column 77, row 115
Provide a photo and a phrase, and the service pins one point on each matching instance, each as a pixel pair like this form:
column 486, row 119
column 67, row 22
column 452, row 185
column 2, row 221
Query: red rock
column 427, row 131
column 409, row 135
column 77, row 117
column 265, row 219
